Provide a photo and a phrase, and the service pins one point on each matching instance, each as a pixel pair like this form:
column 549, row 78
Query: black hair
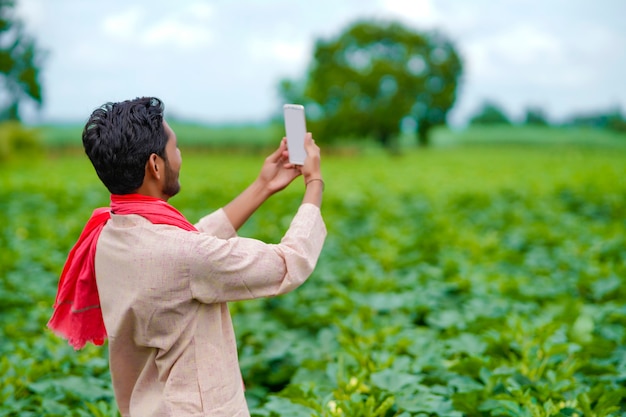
column 119, row 139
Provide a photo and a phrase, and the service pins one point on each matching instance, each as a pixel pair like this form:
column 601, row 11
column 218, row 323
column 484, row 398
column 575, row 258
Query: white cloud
column 173, row 32
column 202, row 11
column 123, row 25
column 187, row 27
column 520, row 54
column 524, row 44
column 422, row 12
column 291, row 53
column 31, row 11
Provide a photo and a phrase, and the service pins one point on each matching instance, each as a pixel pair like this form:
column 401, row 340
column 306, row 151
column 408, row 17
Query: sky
column 220, row 61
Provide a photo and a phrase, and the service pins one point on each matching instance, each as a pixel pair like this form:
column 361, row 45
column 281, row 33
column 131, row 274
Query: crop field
column 477, row 279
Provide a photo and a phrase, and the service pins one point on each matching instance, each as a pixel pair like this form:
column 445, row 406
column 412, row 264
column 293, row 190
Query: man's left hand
column 277, row 173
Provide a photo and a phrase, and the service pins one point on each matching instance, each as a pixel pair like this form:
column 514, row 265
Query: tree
column 612, row 119
column 374, row 76
column 490, row 114
column 536, row 117
column 20, row 64
column 617, row 122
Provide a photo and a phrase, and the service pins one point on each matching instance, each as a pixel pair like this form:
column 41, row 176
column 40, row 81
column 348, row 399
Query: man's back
column 182, row 360
column 163, row 293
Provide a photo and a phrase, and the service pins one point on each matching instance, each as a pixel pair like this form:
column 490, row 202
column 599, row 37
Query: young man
column 160, row 285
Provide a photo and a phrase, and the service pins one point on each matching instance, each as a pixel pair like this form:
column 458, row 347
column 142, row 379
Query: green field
column 254, row 136
column 190, row 134
column 484, row 276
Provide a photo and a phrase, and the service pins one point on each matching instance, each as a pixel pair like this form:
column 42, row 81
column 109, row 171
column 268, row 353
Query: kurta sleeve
column 241, row 268
column 217, row 224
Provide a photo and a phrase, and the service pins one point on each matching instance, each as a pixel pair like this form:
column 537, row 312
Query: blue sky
column 220, row 61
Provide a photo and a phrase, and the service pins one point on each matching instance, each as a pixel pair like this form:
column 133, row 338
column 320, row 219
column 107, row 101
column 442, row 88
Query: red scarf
column 77, row 315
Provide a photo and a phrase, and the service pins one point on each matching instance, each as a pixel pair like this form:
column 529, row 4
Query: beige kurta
column 163, row 293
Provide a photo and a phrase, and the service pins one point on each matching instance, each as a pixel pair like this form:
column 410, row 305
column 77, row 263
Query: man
column 157, row 286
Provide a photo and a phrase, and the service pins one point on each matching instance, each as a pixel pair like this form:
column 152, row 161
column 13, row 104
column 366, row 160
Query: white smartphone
column 295, row 128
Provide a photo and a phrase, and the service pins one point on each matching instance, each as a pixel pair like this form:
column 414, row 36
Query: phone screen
column 295, row 128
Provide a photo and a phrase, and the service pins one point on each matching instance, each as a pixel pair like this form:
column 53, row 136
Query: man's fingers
column 279, row 153
column 289, row 165
column 309, row 144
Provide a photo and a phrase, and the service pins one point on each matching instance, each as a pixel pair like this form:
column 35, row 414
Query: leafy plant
column 494, row 293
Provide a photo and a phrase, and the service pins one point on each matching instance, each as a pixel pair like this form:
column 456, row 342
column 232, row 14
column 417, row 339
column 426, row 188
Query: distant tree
column 536, row 117
column 612, row 120
column 490, row 114
column 375, row 75
column 20, row 64
column 617, row 123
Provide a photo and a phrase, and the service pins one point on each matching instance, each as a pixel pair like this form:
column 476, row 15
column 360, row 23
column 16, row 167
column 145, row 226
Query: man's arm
column 241, row 208
column 275, row 175
column 240, row 268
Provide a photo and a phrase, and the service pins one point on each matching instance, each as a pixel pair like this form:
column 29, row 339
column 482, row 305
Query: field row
column 454, row 282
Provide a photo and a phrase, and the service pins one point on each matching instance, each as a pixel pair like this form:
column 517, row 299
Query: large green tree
column 20, row 64
column 374, row 77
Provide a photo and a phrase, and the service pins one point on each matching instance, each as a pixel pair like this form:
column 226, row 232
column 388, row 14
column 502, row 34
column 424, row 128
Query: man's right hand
column 312, row 173
column 311, row 167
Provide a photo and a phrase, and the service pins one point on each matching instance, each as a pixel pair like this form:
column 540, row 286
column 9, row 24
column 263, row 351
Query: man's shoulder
column 137, row 230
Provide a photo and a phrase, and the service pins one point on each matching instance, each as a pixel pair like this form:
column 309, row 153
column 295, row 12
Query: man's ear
column 152, row 166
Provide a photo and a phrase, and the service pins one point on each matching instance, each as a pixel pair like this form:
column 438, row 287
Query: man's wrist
column 261, row 188
column 312, row 175
column 315, row 179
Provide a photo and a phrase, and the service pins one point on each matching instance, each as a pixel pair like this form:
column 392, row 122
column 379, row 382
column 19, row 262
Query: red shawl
column 77, row 315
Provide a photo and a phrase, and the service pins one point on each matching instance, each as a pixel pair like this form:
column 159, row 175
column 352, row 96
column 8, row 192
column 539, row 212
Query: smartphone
column 295, row 128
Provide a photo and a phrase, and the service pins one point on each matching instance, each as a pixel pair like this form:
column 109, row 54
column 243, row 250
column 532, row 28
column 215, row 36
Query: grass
column 209, row 179
column 189, row 134
column 263, row 135
column 486, row 273
column 471, row 167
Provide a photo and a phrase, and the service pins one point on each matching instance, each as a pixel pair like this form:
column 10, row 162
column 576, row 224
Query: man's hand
column 311, row 168
column 311, row 171
column 277, row 173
